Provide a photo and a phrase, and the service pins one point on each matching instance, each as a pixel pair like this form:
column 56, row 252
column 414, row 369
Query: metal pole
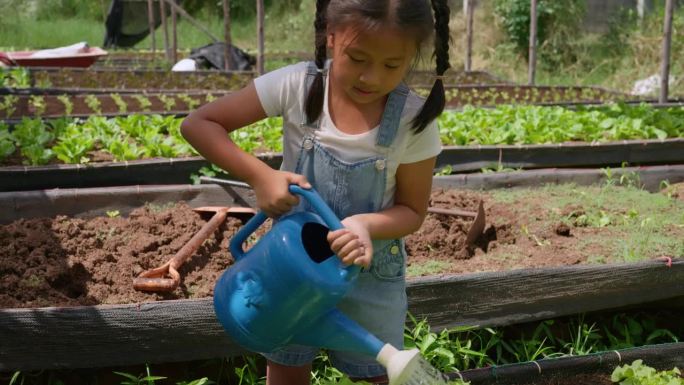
column 260, row 36
column 226, row 33
column 150, row 20
column 174, row 42
column 665, row 60
column 162, row 9
column 533, row 44
column 470, row 9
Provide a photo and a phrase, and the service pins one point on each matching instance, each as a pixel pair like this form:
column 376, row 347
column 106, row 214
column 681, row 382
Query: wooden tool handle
column 455, row 212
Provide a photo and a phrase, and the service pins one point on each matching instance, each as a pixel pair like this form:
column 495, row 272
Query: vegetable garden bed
column 139, row 79
column 99, row 320
column 149, row 78
column 497, row 94
column 16, row 107
column 456, row 96
column 503, row 139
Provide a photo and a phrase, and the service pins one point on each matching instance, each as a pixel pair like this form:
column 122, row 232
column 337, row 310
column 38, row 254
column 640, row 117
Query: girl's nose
column 370, row 76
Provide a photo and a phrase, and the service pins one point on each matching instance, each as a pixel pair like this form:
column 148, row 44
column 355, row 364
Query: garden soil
column 66, row 261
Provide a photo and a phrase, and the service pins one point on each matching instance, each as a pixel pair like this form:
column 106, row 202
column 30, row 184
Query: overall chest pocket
column 389, row 261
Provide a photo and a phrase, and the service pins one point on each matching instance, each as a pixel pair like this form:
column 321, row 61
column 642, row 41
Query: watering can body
column 285, row 289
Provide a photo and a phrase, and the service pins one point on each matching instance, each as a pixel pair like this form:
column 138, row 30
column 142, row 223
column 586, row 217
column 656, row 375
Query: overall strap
column 389, row 125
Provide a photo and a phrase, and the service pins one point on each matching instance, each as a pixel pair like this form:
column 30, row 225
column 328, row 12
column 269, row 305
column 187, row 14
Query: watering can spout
column 334, row 330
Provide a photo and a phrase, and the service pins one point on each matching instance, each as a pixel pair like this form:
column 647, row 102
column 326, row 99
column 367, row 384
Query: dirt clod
column 562, row 229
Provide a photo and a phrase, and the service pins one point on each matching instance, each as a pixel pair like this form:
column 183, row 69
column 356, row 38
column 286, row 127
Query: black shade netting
column 127, row 22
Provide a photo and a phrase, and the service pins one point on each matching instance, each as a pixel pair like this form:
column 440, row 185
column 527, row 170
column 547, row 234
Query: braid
column 434, row 104
column 314, row 99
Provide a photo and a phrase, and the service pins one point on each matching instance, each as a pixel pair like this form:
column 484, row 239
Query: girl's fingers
column 343, row 239
column 352, row 245
column 299, row 180
column 353, row 256
column 364, row 260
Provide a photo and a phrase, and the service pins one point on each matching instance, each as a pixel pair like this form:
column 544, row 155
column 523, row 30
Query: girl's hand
column 352, row 244
column 273, row 195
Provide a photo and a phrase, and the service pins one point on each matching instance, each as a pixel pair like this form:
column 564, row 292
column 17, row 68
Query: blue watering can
column 285, row 289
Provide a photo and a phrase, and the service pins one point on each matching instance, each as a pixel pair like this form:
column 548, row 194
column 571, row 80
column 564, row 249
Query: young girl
column 355, row 132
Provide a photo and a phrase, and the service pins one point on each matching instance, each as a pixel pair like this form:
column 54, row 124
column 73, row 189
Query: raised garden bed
column 33, row 151
column 146, row 79
column 497, row 94
column 183, row 326
column 15, row 107
column 425, row 79
column 139, row 79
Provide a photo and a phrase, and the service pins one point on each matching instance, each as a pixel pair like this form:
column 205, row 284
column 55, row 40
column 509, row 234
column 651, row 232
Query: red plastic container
column 83, row 59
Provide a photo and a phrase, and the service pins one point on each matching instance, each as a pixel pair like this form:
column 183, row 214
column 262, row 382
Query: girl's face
column 369, row 65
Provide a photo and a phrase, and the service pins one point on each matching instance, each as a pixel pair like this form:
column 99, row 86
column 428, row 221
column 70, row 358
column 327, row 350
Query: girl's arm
column 207, row 128
column 414, row 183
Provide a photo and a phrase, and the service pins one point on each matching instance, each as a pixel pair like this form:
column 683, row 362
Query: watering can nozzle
column 407, row 367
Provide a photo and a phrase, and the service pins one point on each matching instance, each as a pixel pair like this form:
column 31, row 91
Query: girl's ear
column 330, row 40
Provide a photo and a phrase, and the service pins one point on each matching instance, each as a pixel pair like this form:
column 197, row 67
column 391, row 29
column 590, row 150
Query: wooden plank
column 504, row 298
column 532, row 59
column 632, row 152
column 649, row 176
column 469, row 6
column 260, row 7
column 182, row 330
column 97, row 201
column 665, row 56
column 227, row 59
column 151, row 25
column 97, row 336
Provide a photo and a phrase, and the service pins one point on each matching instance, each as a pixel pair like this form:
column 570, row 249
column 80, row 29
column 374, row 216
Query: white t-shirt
column 282, row 93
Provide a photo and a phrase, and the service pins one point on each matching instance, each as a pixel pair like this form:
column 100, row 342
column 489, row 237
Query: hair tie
column 320, row 71
column 440, row 77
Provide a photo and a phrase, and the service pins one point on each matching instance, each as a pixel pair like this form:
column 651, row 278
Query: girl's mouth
column 363, row 92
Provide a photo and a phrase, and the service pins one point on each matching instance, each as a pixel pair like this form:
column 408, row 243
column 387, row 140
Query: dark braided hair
column 314, row 100
column 412, row 16
column 434, row 104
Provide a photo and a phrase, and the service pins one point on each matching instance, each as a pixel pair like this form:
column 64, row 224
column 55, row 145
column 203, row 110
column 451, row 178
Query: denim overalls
column 378, row 300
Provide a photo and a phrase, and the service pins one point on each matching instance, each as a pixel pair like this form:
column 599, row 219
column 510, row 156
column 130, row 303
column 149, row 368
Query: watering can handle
column 310, row 195
column 319, row 205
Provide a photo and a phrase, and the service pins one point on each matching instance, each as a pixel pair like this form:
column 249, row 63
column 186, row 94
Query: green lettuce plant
column 637, row 373
column 68, row 104
column 120, row 103
column 7, row 146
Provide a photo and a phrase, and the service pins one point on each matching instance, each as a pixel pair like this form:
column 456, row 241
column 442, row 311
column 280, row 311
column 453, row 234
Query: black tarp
column 127, row 23
column 212, row 56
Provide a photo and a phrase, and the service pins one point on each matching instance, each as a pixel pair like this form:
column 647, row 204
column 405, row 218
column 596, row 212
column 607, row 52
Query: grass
column 429, row 268
column 41, row 34
column 630, row 222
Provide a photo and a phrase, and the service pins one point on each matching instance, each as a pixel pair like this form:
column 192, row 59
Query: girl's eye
column 355, row 59
column 392, row 67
